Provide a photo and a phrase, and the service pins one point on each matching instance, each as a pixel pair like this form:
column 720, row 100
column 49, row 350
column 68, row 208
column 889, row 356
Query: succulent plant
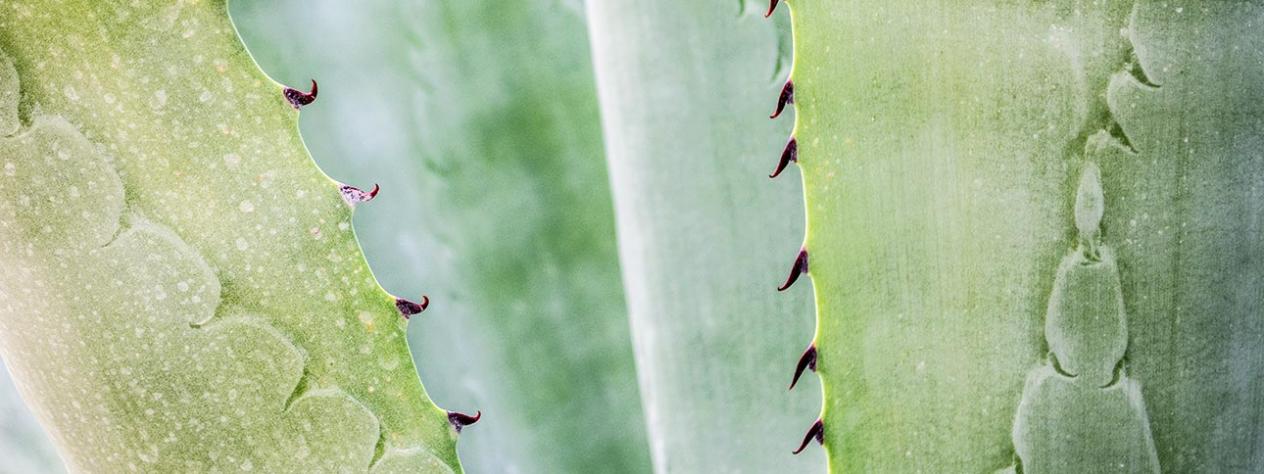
column 479, row 119
column 1031, row 231
column 702, row 232
column 1035, row 234
column 183, row 290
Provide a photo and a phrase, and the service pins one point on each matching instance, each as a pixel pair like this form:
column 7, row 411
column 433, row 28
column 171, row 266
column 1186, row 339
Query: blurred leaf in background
column 24, row 446
column 479, row 120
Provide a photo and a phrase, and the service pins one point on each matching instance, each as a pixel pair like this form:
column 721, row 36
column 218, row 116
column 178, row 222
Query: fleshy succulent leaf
column 480, row 121
column 703, row 234
column 987, row 298
column 182, row 289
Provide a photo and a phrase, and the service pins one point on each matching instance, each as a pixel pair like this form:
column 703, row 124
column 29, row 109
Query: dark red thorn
column 800, row 267
column 299, row 98
column 460, row 420
column 806, row 361
column 354, row 195
column 791, row 153
column 787, row 97
column 817, row 432
column 771, row 7
column 408, row 308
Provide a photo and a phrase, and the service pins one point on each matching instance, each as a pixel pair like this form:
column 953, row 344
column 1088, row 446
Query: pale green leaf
column 705, row 237
column 479, row 120
column 973, row 313
column 182, row 288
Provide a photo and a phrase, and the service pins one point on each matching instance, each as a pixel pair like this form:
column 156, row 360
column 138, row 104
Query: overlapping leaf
column 479, row 120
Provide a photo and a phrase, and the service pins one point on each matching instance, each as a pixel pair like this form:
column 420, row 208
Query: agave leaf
column 951, row 155
column 479, row 120
column 704, row 235
column 182, row 288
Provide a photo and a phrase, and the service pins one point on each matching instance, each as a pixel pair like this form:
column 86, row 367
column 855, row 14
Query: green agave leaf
column 704, row 235
column 182, row 290
column 479, row 120
column 1035, row 233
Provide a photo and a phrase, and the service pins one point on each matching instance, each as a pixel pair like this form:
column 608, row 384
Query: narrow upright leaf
column 705, row 237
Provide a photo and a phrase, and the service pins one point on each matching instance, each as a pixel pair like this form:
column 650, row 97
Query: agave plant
column 494, row 201
column 1032, row 233
column 1035, row 233
column 183, row 287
